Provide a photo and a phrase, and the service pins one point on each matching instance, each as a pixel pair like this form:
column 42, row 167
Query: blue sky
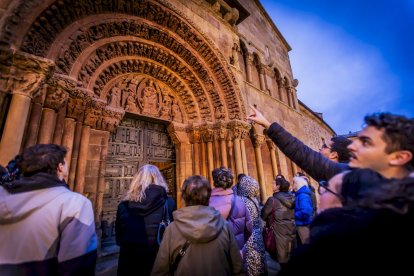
column 351, row 58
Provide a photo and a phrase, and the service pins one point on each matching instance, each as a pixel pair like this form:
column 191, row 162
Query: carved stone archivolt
column 186, row 42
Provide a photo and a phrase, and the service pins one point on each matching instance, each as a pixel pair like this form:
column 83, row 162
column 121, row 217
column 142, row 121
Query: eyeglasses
column 325, row 146
column 323, row 188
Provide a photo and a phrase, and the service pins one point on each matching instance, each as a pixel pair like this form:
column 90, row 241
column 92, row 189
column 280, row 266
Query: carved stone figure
column 114, row 96
column 149, row 101
column 176, row 112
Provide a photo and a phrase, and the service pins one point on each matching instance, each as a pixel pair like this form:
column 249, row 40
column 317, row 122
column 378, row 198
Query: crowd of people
column 361, row 221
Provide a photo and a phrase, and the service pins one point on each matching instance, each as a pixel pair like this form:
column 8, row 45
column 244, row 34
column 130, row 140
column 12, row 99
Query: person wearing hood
column 138, row 218
column 204, row 238
column 248, row 190
column 282, row 206
column 45, row 229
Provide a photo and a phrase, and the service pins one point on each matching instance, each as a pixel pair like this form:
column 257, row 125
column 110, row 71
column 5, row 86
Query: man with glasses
column 336, row 149
column 385, row 145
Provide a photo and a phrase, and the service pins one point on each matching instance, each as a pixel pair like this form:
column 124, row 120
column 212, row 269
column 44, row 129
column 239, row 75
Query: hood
column 21, row 197
column 287, row 199
column 37, row 181
column 200, row 224
column 155, row 197
column 17, row 206
column 248, row 187
column 303, row 190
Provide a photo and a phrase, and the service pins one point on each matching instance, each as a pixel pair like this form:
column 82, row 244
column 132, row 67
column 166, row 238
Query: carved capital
column 23, row 73
column 111, row 118
column 221, row 133
column 56, row 96
column 258, row 140
column 178, row 133
column 207, row 134
column 270, row 144
column 195, row 136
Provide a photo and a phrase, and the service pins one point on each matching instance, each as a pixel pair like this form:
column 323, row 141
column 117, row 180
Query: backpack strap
column 233, row 202
column 180, row 255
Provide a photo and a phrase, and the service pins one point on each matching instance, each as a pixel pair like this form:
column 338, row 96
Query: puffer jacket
column 284, row 225
column 312, row 162
column 136, row 229
column 303, row 206
column 212, row 251
column 239, row 218
column 45, row 229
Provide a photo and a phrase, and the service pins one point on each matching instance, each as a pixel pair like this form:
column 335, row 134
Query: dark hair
column 240, row 176
column 393, row 194
column 283, row 184
column 42, row 158
column 222, row 177
column 340, row 146
column 398, row 132
column 196, row 190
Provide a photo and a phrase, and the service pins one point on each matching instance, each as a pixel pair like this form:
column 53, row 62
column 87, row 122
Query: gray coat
column 213, row 249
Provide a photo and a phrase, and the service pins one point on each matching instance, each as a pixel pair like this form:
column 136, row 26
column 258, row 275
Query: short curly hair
column 398, row 132
column 340, row 146
column 222, row 178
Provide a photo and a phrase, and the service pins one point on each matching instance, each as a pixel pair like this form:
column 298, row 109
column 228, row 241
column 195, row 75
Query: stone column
column 47, row 126
column 83, row 158
column 203, row 159
column 237, row 152
column 101, row 181
column 221, row 137
column 262, row 77
column 208, row 137
column 216, row 147
column 258, row 140
column 245, row 134
column 272, row 150
column 280, row 84
column 184, row 157
column 67, row 139
column 195, row 140
column 55, row 99
column 230, row 153
column 75, row 154
column 22, row 75
column 249, row 65
column 13, row 129
column 34, row 121
column 60, row 123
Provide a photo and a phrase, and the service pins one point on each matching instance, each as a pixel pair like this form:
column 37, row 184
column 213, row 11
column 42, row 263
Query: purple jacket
column 239, row 218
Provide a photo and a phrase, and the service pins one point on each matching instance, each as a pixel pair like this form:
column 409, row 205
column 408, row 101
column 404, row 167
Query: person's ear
column 333, row 155
column 400, row 158
column 60, row 167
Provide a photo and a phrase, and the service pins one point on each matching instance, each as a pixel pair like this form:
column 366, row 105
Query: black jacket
column 136, row 229
column 312, row 162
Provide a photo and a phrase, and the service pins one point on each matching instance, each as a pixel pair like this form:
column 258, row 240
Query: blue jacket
column 303, row 206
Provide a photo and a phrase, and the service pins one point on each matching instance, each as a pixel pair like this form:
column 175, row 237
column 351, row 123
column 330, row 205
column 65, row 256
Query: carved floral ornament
column 258, row 140
column 169, row 20
column 23, row 73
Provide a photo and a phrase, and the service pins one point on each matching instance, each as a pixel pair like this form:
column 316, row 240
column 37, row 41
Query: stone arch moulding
column 42, row 21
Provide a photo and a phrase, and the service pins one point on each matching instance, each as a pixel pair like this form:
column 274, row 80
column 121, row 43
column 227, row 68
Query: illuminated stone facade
column 120, row 83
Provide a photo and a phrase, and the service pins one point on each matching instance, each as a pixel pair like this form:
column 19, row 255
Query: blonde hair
column 146, row 175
